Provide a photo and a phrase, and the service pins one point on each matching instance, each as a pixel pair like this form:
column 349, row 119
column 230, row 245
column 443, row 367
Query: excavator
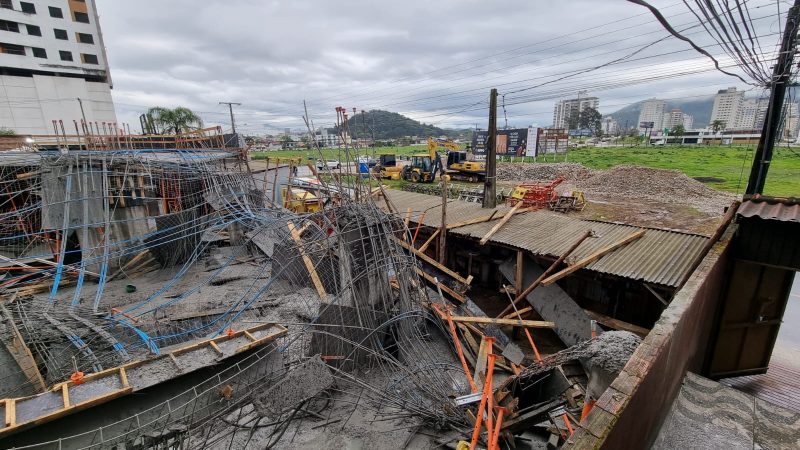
column 458, row 167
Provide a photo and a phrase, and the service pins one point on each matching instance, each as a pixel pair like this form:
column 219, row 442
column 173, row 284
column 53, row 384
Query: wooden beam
column 307, row 261
column 430, row 239
column 11, row 411
column 500, row 224
column 455, row 295
column 432, row 262
column 617, row 324
column 592, row 258
column 655, row 294
column 518, row 314
column 512, row 322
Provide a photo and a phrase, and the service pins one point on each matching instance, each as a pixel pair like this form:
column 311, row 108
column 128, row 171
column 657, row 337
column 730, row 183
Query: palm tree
column 174, row 121
column 717, row 125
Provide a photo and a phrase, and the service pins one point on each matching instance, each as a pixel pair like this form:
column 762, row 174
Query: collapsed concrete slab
column 553, row 304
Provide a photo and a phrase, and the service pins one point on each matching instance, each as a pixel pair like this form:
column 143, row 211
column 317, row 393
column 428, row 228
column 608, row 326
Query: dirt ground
column 631, row 194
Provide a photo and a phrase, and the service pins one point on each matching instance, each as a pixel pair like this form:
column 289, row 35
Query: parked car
column 368, row 160
column 330, row 163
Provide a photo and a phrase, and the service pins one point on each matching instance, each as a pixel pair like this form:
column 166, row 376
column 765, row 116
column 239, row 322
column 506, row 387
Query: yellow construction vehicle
column 458, row 166
column 423, row 167
column 387, row 167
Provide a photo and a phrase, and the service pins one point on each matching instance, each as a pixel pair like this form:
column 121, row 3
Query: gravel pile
column 571, row 172
column 628, row 181
column 671, row 186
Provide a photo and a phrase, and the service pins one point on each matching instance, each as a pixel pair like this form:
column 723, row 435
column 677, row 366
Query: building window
column 6, row 25
column 55, row 12
column 12, row 49
column 85, row 38
column 81, row 17
column 6, row 4
column 33, row 30
column 39, row 52
column 27, row 7
column 89, row 59
column 60, row 34
column 65, row 55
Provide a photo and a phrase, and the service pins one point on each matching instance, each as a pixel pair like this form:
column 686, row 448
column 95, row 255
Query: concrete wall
column 35, row 101
column 629, row 414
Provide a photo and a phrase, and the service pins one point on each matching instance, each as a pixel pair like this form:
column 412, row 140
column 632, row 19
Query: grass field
column 721, row 167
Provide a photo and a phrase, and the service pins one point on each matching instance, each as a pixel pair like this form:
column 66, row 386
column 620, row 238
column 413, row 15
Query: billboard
column 514, row 142
column 531, row 141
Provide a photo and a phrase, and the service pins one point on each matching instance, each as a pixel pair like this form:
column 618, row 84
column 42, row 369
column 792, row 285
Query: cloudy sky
column 434, row 61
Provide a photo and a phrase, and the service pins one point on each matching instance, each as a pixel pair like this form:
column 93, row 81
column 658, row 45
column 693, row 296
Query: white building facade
column 652, row 111
column 609, row 125
column 677, row 117
column 565, row 109
column 52, row 54
column 728, row 107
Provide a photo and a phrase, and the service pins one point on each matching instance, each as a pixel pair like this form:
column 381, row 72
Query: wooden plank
column 518, row 313
column 65, row 394
column 281, row 331
column 513, row 322
column 480, row 360
column 123, row 377
column 455, row 295
column 432, row 261
column 617, row 324
column 307, row 261
column 425, row 245
column 250, row 336
column 592, row 258
column 500, row 224
column 20, row 351
column 11, row 412
column 216, row 348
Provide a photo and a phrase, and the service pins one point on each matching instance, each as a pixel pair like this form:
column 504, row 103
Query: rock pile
column 571, row 172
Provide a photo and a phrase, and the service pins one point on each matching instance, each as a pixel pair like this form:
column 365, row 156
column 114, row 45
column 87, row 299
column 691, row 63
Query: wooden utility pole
column 230, row 108
column 443, row 228
column 489, row 185
column 780, row 79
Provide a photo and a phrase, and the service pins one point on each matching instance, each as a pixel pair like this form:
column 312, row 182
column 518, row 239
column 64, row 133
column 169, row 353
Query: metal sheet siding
column 771, row 210
column 660, row 256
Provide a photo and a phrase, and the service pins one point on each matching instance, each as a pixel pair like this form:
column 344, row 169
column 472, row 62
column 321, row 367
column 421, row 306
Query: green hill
column 390, row 125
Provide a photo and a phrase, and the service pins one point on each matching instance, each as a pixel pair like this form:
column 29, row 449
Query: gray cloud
column 432, row 60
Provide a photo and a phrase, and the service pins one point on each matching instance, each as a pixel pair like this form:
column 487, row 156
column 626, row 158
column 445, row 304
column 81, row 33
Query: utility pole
column 489, row 187
column 780, row 80
column 230, row 108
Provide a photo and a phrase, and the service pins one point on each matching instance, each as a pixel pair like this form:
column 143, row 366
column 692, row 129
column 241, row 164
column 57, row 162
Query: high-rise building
column 566, row 109
column 752, row 113
column 677, row 117
column 727, row 107
column 51, row 54
column 609, row 125
column 652, row 111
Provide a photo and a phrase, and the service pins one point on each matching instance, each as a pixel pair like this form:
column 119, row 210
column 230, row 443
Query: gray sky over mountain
column 434, row 61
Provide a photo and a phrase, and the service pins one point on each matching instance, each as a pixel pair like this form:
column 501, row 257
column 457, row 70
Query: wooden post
column 443, row 228
column 519, row 272
column 489, row 186
column 307, row 261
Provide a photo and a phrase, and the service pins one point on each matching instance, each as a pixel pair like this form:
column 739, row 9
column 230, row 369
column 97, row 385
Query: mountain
column 699, row 109
column 390, row 125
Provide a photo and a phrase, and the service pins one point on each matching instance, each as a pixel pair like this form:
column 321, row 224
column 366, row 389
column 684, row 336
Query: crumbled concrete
column 301, row 383
column 513, row 353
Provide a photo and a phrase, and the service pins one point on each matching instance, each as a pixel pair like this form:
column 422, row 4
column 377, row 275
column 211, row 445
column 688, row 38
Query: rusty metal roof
column 660, row 256
column 771, row 209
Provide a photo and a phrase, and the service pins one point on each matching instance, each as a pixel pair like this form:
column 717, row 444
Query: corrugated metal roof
column 660, row 256
column 771, row 209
